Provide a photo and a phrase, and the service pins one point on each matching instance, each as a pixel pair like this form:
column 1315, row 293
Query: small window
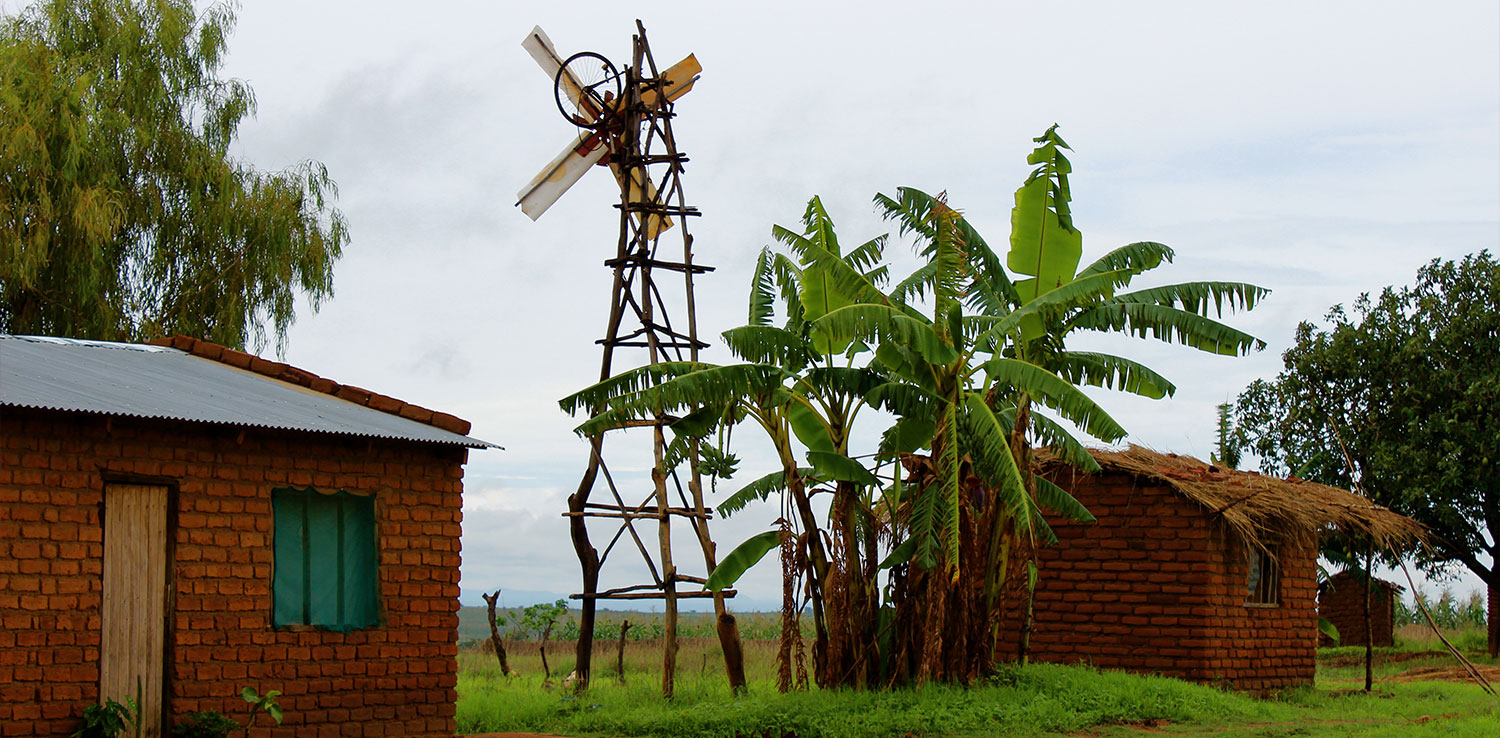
column 1265, row 579
column 324, row 560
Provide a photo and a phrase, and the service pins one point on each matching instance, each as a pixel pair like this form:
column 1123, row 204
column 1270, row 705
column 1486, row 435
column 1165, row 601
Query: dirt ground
column 1455, row 673
column 1389, row 657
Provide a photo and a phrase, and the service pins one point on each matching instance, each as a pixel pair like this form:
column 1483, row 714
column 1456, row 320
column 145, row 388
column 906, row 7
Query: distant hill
column 526, row 598
column 473, row 624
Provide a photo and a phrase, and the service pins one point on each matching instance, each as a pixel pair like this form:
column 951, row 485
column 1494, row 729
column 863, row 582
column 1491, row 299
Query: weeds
column 1019, row 702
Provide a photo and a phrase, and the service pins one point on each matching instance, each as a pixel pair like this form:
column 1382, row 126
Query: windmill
column 624, row 120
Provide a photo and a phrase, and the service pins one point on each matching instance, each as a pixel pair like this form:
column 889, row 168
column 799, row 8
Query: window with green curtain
column 324, row 568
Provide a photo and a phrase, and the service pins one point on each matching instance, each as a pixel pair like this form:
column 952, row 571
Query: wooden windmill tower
column 625, row 121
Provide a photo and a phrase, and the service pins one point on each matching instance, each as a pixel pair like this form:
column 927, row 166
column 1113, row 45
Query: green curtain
column 325, row 559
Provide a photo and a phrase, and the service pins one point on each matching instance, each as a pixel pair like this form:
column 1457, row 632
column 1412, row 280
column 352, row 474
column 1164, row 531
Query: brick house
column 205, row 520
column 1341, row 600
column 1190, row 571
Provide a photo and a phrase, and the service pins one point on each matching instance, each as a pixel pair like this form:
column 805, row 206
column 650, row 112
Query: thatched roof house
column 1255, row 506
column 1341, row 599
column 1191, row 570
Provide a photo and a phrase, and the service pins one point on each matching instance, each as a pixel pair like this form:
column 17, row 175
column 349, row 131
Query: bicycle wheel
column 587, row 88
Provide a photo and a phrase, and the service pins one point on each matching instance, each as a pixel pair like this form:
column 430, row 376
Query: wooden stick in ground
column 1369, row 625
column 547, row 631
column 489, row 601
column 620, row 652
column 1468, row 665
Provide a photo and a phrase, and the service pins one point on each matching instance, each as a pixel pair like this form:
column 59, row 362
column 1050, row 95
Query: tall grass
column 1025, row 702
column 1471, row 639
column 1036, row 700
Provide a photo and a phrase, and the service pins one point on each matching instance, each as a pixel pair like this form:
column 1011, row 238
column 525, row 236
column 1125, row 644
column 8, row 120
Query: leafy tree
column 977, row 510
column 540, row 618
column 1226, row 446
column 967, row 507
column 122, row 213
column 959, row 355
column 1407, row 387
column 796, row 386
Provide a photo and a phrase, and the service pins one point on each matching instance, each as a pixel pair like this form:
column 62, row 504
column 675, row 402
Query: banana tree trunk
column 850, row 609
column 724, row 623
column 817, row 560
column 1026, row 546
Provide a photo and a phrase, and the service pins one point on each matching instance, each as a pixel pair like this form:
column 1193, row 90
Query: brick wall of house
column 1126, row 592
column 394, row 679
column 1266, row 648
column 1342, row 601
column 1153, row 587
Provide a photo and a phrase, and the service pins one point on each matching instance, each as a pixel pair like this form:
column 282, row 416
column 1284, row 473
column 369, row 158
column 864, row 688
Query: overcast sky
column 1318, row 149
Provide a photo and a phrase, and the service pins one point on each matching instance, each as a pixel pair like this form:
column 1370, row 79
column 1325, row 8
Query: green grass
column 1038, row 700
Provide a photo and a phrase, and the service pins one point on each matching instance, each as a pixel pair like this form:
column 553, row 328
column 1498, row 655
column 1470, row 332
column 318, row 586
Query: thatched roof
column 1253, row 505
column 1356, row 578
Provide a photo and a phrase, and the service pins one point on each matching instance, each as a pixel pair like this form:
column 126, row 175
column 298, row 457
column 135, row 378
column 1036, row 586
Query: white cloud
column 1322, row 150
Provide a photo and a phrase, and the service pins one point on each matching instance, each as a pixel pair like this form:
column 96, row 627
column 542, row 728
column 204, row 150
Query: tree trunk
column 588, row 563
column 725, row 624
column 620, row 652
column 734, row 651
column 788, row 556
column 546, row 670
column 817, row 560
column 489, row 601
column 1021, row 450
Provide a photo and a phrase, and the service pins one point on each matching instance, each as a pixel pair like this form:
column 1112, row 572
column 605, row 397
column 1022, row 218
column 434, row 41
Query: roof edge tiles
column 303, row 378
column 182, row 378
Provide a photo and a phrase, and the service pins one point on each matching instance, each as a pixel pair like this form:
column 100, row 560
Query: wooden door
column 134, row 613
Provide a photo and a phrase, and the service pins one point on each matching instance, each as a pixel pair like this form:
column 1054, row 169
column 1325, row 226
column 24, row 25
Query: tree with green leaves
column 958, row 353
column 797, row 387
column 540, row 618
column 123, row 215
column 1010, row 354
column 1398, row 398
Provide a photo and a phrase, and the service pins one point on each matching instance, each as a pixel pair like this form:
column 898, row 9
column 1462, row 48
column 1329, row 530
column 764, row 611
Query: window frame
column 1263, row 591
column 357, row 564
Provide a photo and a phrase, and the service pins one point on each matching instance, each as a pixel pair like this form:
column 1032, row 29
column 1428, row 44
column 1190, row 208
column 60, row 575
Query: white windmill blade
column 541, row 49
column 560, row 174
column 581, row 153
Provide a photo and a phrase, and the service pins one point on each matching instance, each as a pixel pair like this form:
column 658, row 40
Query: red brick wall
column 1265, row 649
column 1343, row 604
column 1153, row 587
column 394, row 679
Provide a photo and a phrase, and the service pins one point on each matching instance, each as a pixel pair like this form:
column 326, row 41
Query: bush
column 209, row 724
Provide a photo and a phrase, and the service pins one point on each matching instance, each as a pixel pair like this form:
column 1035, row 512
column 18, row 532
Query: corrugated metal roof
column 159, row 382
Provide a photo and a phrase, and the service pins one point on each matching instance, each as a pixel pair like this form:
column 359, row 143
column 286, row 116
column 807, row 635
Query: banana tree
column 793, row 384
column 1047, row 245
column 965, row 510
